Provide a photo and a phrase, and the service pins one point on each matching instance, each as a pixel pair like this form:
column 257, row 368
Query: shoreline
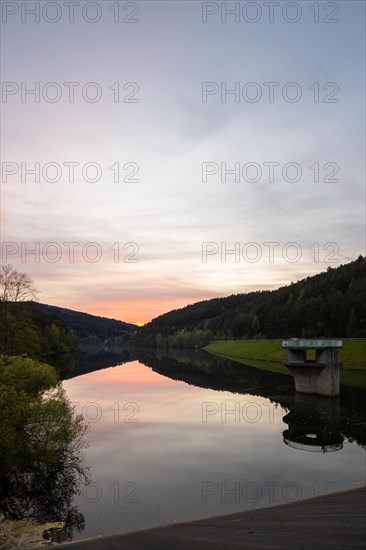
column 267, row 355
column 336, row 521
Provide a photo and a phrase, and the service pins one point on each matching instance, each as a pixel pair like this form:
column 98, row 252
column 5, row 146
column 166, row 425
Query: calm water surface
column 213, row 438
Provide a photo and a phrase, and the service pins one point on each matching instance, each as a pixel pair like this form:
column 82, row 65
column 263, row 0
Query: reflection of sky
column 170, row 452
column 169, row 133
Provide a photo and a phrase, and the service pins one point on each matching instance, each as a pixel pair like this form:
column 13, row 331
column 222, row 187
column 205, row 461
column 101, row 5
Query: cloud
column 169, row 133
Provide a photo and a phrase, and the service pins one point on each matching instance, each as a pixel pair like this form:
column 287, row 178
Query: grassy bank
column 268, row 355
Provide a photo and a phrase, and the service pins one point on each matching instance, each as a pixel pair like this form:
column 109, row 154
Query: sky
column 239, row 132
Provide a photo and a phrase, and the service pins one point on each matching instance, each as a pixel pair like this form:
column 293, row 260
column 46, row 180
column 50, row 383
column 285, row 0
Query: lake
column 189, row 435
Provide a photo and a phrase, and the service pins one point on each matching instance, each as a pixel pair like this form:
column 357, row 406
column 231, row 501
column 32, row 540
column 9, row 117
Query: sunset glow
column 163, row 192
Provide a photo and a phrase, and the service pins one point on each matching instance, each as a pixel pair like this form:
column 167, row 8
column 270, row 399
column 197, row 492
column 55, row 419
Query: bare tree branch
column 15, row 286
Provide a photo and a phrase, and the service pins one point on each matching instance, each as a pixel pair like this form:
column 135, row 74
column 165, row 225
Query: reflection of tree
column 41, row 444
column 64, row 363
column 87, row 362
column 206, row 370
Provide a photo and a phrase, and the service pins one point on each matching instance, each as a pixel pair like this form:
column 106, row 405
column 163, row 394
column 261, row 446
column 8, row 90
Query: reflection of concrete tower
column 314, row 424
column 318, row 375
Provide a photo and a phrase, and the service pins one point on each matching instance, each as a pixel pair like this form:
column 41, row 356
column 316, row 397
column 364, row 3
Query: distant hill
column 85, row 325
column 57, row 335
column 330, row 304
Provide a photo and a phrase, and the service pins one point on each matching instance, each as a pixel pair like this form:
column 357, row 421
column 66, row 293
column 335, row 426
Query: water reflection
column 313, row 421
column 187, row 466
column 171, row 455
column 204, row 370
column 314, row 424
column 41, row 468
column 90, row 362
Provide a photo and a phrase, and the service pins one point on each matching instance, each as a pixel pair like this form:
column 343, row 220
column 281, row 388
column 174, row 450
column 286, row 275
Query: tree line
column 41, row 437
column 328, row 305
column 44, row 331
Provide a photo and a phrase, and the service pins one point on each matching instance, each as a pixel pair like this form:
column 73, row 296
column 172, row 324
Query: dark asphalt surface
column 334, row 522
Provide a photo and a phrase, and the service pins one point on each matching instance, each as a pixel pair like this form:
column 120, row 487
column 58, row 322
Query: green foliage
column 27, row 375
column 42, row 331
column 41, row 439
column 352, row 323
column 17, row 333
column 186, row 339
column 26, row 330
column 84, row 324
column 255, row 325
column 331, row 304
column 22, row 384
column 56, row 339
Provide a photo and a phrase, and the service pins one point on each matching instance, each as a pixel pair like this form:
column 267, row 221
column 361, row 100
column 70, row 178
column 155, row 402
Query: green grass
column 268, row 355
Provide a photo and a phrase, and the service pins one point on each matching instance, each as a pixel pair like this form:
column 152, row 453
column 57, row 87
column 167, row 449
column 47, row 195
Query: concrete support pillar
column 319, row 376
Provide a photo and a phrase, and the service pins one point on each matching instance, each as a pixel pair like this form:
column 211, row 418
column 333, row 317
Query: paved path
column 334, row 522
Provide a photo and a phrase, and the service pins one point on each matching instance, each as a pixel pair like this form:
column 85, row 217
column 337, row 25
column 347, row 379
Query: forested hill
column 48, row 332
column 85, row 325
column 330, row 304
